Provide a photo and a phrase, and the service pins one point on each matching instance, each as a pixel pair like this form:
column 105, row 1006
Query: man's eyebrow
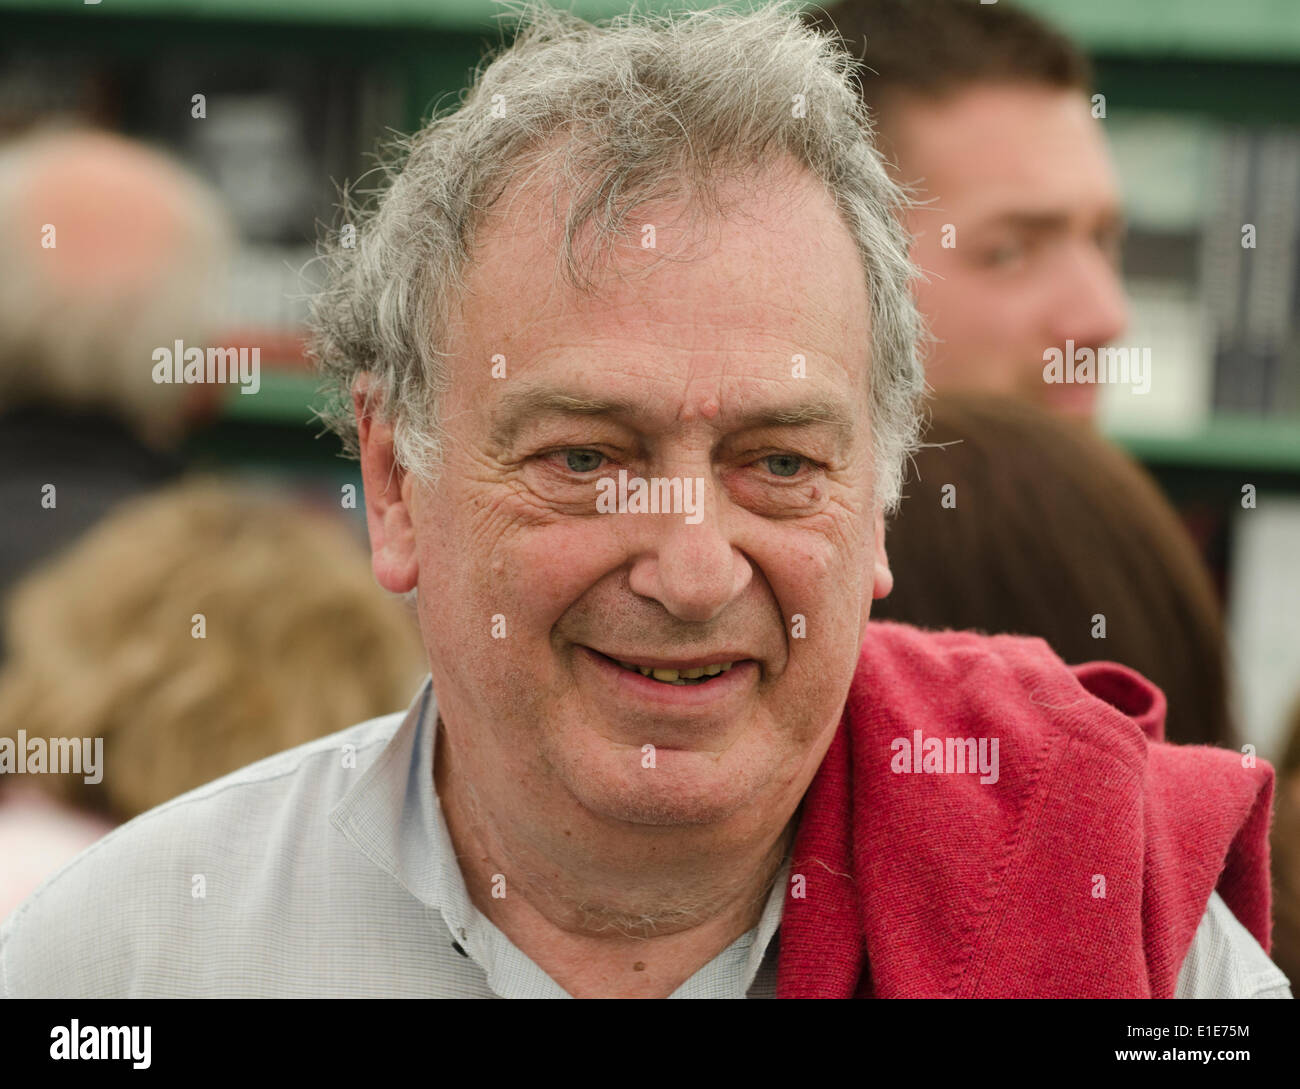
column 1111, row 219
column 518, row 406
column 1030, row 221
column 823, row 411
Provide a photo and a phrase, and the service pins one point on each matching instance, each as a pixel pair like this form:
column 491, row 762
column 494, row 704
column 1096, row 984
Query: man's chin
column 678, row 787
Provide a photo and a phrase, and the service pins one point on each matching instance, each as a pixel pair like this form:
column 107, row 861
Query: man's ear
column 882, row 577
column 389, row 518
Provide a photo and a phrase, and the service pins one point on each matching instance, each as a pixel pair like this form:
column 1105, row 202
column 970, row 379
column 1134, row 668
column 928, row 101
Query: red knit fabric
column 938, row 885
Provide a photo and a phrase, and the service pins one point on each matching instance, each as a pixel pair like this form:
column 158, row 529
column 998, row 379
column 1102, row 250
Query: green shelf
column 1195, row 29
column 1227, row 442
column 449, row 14
column 281, row 399
column 1203, row 29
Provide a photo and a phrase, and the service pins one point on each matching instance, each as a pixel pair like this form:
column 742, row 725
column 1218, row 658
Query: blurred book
column 1250, row 254
column 1211, row 268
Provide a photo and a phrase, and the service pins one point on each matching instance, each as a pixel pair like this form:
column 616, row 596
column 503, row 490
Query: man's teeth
column 679, row 676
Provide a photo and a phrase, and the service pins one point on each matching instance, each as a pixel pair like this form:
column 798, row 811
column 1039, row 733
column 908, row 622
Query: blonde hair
column 300, row 642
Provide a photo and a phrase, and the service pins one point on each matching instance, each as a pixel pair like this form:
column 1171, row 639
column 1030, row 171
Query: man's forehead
column 777, row 289
column 1007, row 149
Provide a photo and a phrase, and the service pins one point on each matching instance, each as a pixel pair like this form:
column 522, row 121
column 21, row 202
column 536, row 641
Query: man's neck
column 661, row 926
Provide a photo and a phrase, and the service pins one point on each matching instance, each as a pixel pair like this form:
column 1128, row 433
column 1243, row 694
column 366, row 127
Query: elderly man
column 667, row 467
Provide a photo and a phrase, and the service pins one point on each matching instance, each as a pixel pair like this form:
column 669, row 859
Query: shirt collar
column 391, row 813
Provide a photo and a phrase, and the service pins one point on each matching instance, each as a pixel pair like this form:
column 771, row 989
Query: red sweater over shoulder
column 936, row 884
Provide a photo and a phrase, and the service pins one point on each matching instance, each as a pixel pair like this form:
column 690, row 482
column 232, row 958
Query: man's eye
column 582, row 461
column 783, row 464
column 1004, row 256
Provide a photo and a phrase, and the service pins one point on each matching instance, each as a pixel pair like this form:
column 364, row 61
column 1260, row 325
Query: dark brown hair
column 1052, row 526
column 932, row 49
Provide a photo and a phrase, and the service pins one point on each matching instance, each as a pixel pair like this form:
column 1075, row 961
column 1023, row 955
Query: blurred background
column 1203, row 119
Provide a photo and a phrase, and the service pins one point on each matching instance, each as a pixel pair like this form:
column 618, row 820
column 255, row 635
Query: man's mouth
column 695, row 675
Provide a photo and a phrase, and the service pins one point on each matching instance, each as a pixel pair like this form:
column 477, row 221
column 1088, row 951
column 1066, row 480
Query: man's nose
column 693, row 570
column 1089, row 306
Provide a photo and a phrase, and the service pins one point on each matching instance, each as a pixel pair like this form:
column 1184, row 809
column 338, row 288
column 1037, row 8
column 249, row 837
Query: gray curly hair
column 625, row 112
